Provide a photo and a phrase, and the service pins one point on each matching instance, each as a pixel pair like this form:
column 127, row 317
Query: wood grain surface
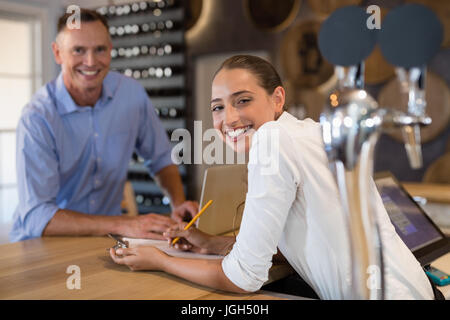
column 36, row 269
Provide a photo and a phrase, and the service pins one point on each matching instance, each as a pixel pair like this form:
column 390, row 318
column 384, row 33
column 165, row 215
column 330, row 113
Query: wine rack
column 148, row 45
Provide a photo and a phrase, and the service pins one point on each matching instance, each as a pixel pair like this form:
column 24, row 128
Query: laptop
column 227, row 187
column 426, row 241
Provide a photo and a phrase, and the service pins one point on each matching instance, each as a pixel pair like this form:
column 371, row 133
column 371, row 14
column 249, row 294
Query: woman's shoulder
column 289, row 127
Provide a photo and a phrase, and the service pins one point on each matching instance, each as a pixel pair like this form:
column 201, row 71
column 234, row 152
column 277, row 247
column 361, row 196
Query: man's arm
column 169, row 180
column 72, row 223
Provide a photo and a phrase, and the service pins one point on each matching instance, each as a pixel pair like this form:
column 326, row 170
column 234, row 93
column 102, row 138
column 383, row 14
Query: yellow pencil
column 193, row 220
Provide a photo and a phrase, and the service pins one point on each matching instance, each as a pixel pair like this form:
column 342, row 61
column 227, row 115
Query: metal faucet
column 352, row 120
column 351, row 124
column 413, row 83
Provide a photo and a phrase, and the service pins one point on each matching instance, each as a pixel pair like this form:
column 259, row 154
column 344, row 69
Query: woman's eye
column 242, row 101
column 216, row 108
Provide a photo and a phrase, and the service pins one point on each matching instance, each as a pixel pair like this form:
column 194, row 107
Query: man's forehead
column 89, row 34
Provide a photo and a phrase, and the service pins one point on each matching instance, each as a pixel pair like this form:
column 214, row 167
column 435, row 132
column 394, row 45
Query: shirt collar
column 66, row 104
column 284, row 116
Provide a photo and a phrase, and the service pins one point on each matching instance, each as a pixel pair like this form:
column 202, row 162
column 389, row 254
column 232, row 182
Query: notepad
column 163, row 245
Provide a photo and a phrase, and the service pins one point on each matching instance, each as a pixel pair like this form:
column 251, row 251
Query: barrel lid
column 410, row 36
column 344, row 38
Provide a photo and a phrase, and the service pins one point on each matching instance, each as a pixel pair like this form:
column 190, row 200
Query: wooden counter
column 433, row 192
column 36, row 269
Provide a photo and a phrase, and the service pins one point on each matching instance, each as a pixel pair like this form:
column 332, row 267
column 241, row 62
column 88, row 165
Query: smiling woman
column 84, row 56
column 254, row 98
column 294, row 210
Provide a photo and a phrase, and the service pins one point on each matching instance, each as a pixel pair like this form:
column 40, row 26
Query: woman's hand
column 191, row 239
column 195, row 240
column 140, row 258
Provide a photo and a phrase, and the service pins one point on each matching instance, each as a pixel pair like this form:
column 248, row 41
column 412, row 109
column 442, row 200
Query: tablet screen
column 410, row 222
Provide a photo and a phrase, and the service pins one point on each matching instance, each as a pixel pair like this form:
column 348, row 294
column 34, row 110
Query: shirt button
column 96, row 135
column 92, row 201
column 99, row 159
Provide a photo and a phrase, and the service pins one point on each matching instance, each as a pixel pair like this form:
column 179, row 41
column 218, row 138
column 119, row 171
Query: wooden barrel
column 193, row 12
column 377, row 69
column 301, row 60
column 325, row 7
column 442, row 9
column 308, row 102
column 271, row 15
column 437, row 95
column 439, row 170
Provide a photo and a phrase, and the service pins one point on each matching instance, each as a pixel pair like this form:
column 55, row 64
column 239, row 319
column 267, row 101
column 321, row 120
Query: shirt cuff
column 161, row 163
column 238, row 273
column 37, row 219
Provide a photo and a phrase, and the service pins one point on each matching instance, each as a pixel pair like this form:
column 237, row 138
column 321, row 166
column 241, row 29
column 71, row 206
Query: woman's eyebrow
column 215, row 100
column 235, row 94
column 240, row 92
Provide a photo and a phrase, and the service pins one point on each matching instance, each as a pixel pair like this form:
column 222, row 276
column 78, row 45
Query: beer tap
column 411, row 35
column 352, row 122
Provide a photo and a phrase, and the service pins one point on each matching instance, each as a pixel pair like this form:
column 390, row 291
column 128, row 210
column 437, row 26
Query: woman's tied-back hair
column 264, row 72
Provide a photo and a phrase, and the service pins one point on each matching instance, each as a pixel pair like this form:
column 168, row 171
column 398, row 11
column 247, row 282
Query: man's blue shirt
column 76, row 158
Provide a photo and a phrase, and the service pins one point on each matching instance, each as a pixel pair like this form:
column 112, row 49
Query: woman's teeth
column 237, row 132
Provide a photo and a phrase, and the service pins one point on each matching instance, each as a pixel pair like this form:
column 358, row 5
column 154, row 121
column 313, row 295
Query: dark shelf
column 150, row 37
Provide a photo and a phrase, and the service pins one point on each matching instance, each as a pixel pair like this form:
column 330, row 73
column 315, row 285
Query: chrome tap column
column 352, row 121
column 350, row 129
column 413, row 83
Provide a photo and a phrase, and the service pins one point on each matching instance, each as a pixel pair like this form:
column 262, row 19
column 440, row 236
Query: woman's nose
column 231, row 115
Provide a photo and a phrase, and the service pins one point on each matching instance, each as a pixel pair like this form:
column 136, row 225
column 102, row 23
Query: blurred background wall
column 282, row 31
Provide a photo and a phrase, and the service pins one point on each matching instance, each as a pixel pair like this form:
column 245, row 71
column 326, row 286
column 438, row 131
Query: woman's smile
column 235, row 134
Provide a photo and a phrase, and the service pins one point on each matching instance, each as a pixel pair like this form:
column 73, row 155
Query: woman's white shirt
column 293, row 204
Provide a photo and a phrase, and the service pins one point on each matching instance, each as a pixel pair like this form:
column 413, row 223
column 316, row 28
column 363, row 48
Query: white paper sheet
column 163, row 245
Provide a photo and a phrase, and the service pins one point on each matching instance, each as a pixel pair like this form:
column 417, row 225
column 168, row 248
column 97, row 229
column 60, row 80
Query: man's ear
column 56, row 52
column 279, row 98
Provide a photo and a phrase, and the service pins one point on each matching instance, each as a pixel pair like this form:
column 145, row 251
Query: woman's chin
column 241, row 149
column 240, row 146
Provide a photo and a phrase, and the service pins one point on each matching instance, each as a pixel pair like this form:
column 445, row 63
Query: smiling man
column 84, row 56
column 75, row 139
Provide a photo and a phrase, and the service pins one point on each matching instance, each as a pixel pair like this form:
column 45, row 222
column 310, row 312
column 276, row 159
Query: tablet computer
column 426, row 241
column 227, row 186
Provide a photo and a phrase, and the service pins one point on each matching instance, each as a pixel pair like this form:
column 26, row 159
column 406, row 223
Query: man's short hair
column 86, row 15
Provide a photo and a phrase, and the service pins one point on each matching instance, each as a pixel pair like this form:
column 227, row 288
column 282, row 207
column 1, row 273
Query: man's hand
column 150, row 226
column 185, row 212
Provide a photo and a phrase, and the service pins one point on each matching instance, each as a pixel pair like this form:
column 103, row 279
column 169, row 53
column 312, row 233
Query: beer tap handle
column 410, row 36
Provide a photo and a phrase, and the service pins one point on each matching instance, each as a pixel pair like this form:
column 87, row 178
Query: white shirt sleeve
column 272, row 187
